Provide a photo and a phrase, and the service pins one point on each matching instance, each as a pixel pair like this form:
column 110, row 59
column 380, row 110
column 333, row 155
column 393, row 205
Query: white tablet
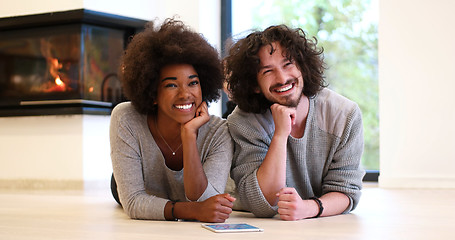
column 231, row 227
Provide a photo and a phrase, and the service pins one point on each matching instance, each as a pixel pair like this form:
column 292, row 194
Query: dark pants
column 114, row 190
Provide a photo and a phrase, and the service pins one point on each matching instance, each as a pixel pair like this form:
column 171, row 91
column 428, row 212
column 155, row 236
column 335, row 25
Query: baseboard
column 417, row 183
column 41, row 184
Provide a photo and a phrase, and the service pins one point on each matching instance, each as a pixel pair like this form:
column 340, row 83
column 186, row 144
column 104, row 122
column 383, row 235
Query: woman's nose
column 184, row 92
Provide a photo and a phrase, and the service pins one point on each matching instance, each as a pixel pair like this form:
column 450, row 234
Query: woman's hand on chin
column 201, row 117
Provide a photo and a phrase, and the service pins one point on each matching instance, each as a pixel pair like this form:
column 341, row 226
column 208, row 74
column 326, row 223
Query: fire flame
column 59, row 82
column 59, row 86
column 54, row 66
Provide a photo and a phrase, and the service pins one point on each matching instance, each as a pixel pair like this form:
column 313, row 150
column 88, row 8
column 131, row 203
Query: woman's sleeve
column 217, row 159
column 127, row 166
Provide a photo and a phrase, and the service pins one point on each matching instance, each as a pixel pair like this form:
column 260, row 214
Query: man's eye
column 266, row 71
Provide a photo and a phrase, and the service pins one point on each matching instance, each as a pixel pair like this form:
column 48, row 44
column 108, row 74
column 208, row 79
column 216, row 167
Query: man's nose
column 281, row 76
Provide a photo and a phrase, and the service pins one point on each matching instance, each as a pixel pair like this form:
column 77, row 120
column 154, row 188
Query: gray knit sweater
column 145, row 184
column 325, row 159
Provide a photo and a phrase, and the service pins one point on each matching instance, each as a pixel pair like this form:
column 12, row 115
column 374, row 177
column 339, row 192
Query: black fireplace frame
column 128, row 25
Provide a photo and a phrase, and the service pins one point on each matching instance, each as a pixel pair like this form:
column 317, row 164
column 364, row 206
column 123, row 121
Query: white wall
column 25, row 7
column 73, row 151
column 417, row 100
column 144, row 9
column 54, row 151
column 57, row 141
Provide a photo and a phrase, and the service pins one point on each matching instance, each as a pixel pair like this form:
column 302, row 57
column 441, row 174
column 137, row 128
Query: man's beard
column 288, row 101
column 293, row 103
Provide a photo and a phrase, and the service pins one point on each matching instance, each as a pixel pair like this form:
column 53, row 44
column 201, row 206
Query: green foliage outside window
column 347, row 31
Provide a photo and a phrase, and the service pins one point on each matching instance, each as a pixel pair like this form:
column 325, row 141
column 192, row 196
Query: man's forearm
column 271, row 174
column 334, row 203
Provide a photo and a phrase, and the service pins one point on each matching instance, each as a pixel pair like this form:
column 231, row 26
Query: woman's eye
column 192, row 83
column 266, row 71
column 170, row 85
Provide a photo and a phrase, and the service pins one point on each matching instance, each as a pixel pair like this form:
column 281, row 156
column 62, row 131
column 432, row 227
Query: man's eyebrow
column 286, row 59
column 262, row 67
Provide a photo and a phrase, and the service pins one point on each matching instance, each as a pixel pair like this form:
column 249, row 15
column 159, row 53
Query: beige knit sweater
column 325, row 159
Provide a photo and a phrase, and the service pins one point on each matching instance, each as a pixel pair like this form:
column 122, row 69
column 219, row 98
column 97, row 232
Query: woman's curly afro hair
column 171, row 43
column 242, row 65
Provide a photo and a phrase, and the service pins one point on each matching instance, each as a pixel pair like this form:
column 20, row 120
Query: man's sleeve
column 251, row 143
column 345, row 173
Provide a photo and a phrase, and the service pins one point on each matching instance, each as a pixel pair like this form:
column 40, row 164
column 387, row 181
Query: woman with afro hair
column 170, row 158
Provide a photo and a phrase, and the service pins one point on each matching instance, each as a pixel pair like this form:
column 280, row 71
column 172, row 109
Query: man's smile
column 284, row 88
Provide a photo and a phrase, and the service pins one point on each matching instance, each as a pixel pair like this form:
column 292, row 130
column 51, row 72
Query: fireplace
column 62, row 62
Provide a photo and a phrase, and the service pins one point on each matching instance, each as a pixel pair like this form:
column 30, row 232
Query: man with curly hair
column 171, row 159
column 298, row 144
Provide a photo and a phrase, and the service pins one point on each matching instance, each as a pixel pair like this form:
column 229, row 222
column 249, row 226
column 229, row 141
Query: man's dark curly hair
column 171, row 43
column 242, row 65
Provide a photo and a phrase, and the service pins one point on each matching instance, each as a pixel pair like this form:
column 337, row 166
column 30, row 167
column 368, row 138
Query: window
column 347, row 30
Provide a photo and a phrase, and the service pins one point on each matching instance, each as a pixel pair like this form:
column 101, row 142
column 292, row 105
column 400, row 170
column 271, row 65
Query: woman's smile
column 184, row 106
